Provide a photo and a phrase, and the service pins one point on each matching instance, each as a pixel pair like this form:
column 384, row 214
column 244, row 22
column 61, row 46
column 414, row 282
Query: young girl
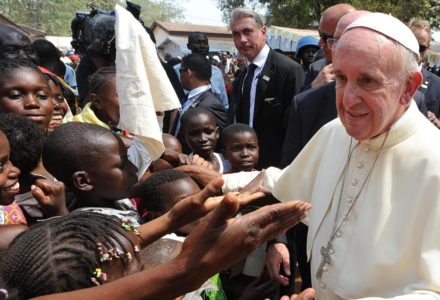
column 201, row 134
column 25, row 91
column 103, row 108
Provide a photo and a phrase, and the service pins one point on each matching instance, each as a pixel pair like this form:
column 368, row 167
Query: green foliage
column 306, row 14
column 54, row 16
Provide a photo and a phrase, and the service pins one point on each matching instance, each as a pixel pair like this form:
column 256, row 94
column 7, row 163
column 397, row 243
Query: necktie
column 246, row 96
column 176, row 125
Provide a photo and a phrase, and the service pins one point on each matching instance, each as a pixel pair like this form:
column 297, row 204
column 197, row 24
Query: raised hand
column 50, row 195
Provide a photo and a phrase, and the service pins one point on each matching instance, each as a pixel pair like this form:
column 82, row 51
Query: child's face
column 59, row 105
column 176, row 191
column 26, row 92
column 201, row 135
column 241, row 150
column 108, row 102
column 113, row 175
column 8, row 174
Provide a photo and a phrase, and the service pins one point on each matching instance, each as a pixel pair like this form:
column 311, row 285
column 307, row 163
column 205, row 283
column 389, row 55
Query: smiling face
column 242, row 152
column 371, row 93
column 59, row 105
column 26, row 92
column 248, row 37
column 8, row 174
column 201, row 135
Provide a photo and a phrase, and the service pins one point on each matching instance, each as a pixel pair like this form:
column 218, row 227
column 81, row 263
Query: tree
column 306, row 14
column 54, row 16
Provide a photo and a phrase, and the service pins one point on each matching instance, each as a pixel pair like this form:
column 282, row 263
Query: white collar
column 261, row 58
column 198, row 90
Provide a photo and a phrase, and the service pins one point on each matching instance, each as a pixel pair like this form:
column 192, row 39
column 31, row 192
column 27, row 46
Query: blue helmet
column 306, row 41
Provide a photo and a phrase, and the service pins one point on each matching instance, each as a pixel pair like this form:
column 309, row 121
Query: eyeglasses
column 422, row 48
column 331, row 42
column 181, row 70
column 325, row 36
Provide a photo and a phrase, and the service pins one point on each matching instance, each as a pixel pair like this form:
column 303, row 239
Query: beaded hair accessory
column 123, row 133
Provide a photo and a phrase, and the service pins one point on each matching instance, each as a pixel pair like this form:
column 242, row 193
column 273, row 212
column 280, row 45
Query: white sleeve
column 236, row 181
column 139, row 156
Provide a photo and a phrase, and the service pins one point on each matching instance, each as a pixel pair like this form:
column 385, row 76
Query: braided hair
column 66, row 253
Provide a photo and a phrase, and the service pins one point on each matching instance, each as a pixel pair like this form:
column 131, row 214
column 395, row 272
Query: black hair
column 72, row 147
column 98, row 80
column 26, row 140
column 47, row 52
column 193, row 112
column 151, row 192
column 7, row 66
column 67, row 92
column 235, row 128
column 194, row 34
column 199, row 64
column 63, row 253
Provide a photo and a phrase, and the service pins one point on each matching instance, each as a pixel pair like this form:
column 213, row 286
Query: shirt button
column 349, row 199
column 360, row 165
column 338, row 234
column 331, row 251
column 366, row 149
column 325, row 268
column 354, row 182
column 323, row 286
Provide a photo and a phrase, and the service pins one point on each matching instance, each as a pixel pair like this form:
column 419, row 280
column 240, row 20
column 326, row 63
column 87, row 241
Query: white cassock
column 389, row 246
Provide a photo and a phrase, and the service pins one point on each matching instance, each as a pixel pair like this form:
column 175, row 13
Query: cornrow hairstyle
column 193, row 112
column 235, row 128
column 8, row 66
column 72, row 147
column 98, row 80
column 151, row 192
column 65, row 253
column 26, row 140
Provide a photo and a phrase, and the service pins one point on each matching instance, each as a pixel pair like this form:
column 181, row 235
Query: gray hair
column 404, row 61
column 243, row 12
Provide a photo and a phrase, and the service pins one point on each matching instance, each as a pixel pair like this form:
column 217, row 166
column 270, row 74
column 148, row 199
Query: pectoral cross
column 326, row 259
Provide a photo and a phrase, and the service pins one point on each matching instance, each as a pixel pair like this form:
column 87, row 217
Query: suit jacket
column 280, row 79
column 313, row 72
column 430, row 87
column 311, row 110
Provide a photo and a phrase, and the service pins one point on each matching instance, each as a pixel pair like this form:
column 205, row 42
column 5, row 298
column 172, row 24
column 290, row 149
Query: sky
column 203, row 12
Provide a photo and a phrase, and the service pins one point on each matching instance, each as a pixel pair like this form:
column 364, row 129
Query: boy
column 201, row 134
column 240, row 147
column 163, row 190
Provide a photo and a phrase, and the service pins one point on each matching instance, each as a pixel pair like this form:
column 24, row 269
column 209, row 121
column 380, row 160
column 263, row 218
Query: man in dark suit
column 195, row 73
column 430, row 86
column 264, row 91
column 321, row 71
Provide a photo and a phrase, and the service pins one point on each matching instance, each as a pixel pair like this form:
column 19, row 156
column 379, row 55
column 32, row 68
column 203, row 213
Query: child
column 92, row 162
column 26, row 143
column 163, row 190
column 80, row 250
column 201, row 134
column 240, row 147
column 103, row 108
column 25, row 91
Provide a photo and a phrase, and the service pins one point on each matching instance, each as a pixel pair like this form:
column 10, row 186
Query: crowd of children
column 83, row 204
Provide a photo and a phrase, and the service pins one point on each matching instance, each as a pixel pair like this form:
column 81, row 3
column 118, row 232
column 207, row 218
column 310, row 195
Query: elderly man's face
column 248, row 38
column 14, row 44
column 370, row 95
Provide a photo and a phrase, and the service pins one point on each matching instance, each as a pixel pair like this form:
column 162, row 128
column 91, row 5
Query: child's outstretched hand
column 200, row 161
column 50, row 195
column 220, row 241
